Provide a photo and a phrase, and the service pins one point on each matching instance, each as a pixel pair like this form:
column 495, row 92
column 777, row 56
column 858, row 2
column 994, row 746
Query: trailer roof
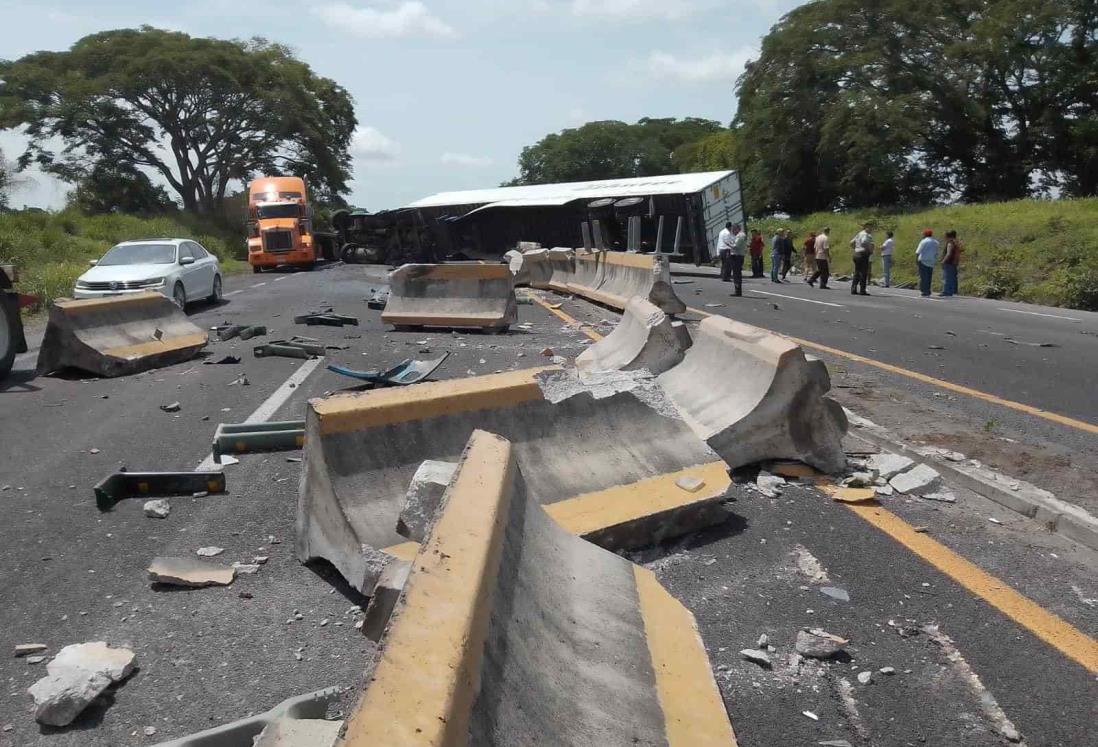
column 563, row 193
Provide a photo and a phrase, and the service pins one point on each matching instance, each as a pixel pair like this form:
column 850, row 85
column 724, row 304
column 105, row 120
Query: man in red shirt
column 756, row 248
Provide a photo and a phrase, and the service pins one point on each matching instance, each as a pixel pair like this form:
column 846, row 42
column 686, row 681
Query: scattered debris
column 77, row 676
column 690, row 484
column 189, row 572
column 227, row 461
column 150, row 731
column 124, row 484
column 173, row 407
column 819, row 644
column 757, row 656
column 810, row 715
column 918, row 479
column 764, row 640
column 888, row 465
column 860, row 480
column 325, row 319
column 548, row 352
column 35, row 659
column 769, row 485
column 993, row 520
column 408, row 371
column 835, row 593
column 865, row 677
column 295, row 347
column 248, row 569
column 887, row 670
column 209, row 552
column 808, row 565
column 227, row 360
column 423, row 498
column 24, row 649
column 242, row 380
column 157, row 509
column 714, row 305
column 942, row 496
column 835, row 743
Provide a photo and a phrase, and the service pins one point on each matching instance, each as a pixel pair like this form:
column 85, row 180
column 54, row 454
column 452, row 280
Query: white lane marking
column 904, row 295
column 271, row 404
column 1050, row 316
column 257, row 285
column 233, row 293
column 279, row 280
column 798, row 298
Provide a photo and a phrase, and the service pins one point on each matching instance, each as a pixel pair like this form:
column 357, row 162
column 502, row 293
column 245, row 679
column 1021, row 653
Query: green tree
column 118, row 189
column 610, row 150
column 201, row 112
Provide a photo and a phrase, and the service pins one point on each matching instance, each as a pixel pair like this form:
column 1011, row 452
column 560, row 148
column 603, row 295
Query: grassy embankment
column 1035, row 251
column 52, row 249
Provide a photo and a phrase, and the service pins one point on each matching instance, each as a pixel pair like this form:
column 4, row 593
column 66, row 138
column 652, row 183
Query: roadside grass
column 52, row 249
column 1035, row 251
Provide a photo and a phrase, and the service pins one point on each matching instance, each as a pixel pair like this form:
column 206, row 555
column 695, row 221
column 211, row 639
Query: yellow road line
column 693, row 712
column 1050, row 628
column 1081, row 425
column 567, row 319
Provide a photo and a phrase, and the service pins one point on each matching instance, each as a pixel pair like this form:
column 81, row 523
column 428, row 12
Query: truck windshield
column 287, row 210
column 139, row 254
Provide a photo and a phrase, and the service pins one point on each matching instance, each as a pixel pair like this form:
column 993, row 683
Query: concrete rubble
column 918, row 479
column 819, row 644
column 758, row 656
column 157, row 509
column 888, row 465
column 190, row 572
column 77, row 676
column 423, row 498
column 769, row 485
column 25, row 649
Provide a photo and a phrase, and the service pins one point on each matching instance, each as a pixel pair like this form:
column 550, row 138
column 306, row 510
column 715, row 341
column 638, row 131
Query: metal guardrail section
column 612, row 468
column 510, row 630
column 117, row 336
column 121, row 485
column 762, row 397
column 475, row 296
column 245, row 438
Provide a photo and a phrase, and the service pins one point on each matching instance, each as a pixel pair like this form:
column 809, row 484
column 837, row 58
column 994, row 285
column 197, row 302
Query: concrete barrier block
column 510, row 629
column 612, row 278
column 118, row 336
column 529, row 267
column 476, row 296
column 755, row 396
column 645, row 338
column 561, row 270
column 361, row 451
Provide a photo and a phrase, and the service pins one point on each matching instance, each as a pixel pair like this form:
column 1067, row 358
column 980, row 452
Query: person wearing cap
column 950, row 262
column 926, row 256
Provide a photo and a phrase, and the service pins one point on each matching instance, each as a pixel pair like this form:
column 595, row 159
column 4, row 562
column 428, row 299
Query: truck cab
column 280, row 230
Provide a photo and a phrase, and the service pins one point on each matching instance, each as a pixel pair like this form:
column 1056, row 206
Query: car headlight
column 82, row 284
column 152, row 283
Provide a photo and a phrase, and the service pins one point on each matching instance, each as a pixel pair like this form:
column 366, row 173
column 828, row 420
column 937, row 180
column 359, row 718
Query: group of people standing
column 733, row 247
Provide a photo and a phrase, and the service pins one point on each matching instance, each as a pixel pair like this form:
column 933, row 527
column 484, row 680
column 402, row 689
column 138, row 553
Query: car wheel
column 216, row 295
column 179, row 296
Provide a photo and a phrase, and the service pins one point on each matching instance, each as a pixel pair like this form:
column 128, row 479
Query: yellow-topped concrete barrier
column 613, row 278
column 618, row 470
column 512, row 631
column 464, row 296
column 117, row 336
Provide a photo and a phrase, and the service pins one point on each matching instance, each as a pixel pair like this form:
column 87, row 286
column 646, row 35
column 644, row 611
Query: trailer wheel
column 9, row 331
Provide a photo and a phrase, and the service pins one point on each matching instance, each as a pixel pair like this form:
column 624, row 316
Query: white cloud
column 371, row 145
column 634, row 9
column 719, row 66
column 405, row 19
column 464, row 159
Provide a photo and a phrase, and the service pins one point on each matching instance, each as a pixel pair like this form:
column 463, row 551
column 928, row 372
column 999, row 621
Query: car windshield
column 139, row 254
column 286, row 210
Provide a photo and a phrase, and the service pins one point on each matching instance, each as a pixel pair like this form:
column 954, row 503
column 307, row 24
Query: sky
column 448, row 92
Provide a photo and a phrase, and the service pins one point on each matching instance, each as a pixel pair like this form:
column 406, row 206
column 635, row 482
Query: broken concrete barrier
column 561, row 268
column 612, row 278
column 755, row 396
column 117, row 336
column 76, row 677
column 529, row 267
column 510, row 629
column 473, row 296
column 607, row 459
column 645, row 338
column 189, row 572
column 423, row 498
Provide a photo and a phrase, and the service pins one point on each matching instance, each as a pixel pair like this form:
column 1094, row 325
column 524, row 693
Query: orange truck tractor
column 280, row 226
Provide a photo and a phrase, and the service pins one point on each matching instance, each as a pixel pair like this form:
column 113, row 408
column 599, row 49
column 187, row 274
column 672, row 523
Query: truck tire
column 9, row 332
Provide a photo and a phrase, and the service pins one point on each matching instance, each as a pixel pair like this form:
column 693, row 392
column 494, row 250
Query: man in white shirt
column 926, row 255
column 737, row 256
column 862, row 244
column 823, row 259
column 886, row 258
column 724, row 251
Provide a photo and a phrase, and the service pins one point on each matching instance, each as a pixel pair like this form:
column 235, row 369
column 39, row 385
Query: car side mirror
column 186, row 260
column 93, row 262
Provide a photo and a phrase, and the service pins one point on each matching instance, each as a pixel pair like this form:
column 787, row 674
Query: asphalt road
column 209, row 656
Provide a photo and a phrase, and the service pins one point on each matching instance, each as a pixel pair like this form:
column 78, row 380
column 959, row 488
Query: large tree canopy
column 875, row 102
column 610, row 150
column 199, row 112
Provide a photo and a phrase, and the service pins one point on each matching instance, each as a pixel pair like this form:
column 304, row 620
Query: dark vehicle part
column 408, row 371
column 243, row 331
column 121, row 485
column 325, row 319
column 391, row 237
column 293, row 348
column 246, row 438
column 378, row 298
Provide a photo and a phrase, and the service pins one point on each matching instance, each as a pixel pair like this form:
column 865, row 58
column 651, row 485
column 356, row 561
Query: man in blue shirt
column 926, row 255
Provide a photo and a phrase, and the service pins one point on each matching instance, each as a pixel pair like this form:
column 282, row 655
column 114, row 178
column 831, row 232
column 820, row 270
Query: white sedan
column 181, row 269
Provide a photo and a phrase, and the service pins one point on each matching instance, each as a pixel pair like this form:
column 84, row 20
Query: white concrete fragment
column 23, row 649
column 769, row 485
column 884, row 490
column 690, row 484
column 190, row 572
column 756, row 655
column 819, row 644
column 76, row 677
column 865, row 677
column 157, row 509
column 209, row 552
column 423, row 498
column 918, row 479
column 943, row 496
column 888, row 465
column 859, row 480
column 248, row 569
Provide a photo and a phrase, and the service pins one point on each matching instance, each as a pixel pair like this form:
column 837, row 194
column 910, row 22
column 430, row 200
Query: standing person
column 926, row 256
column 739, row 252
column 786, row 253
column 950, row 263
column 809, row 249
column 823, row 259
column 724, row 251
column 776, row 243
column 756, row 253
column 886, row 258
column 862, row 244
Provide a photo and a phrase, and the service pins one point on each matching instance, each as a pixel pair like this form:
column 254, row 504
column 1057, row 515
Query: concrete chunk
column 918, row 479
column 189, row 572
column 24, row 649
column 76, row 677
column 158, row 509
column 819, row 644
column 888, row 465
column 386, row 594
column 645, row 338
column 423, row 498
